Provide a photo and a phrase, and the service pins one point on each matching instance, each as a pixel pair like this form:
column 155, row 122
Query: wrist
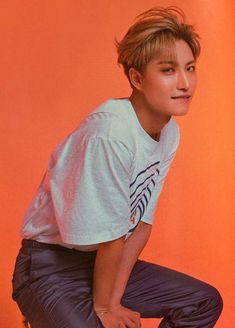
column 107, row 304
column 103, row 310
column 115, row 301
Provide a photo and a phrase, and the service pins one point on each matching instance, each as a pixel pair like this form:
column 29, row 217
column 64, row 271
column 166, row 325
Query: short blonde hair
column 154, row 31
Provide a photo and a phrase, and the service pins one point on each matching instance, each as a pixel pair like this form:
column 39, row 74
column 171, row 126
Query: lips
column 181, row 97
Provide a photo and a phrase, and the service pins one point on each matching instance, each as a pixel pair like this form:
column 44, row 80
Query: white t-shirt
column 101, row 180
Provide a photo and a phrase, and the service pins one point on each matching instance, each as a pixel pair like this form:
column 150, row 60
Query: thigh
column 53, row 289
column 153, row 290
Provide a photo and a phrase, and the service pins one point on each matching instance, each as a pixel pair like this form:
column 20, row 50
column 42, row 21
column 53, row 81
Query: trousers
column 52, row 286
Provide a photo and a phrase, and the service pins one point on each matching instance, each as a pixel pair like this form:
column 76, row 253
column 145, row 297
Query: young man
column 92, row 213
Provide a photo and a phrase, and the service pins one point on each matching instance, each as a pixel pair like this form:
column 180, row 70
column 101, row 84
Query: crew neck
column 142, row 130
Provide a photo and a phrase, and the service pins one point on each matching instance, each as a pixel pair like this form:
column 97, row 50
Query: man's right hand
column 120, row 317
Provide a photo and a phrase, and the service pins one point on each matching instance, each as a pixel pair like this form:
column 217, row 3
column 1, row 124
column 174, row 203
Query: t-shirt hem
column 147, row 221
column 91, row 239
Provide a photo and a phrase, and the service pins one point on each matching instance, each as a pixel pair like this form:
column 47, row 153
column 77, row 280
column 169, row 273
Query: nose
column 182, row 82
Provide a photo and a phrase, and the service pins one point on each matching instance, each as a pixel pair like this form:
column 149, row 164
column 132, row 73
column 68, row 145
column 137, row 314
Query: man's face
column 168, row 85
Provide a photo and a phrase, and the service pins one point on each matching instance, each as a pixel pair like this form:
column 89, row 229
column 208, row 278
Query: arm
column 132, row 249
column 113, row 266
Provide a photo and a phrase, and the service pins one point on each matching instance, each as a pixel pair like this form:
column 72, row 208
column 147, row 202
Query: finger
column 122, row 325
column 130, row 323
column 134, row 312
column 137, row 313
column 136, row 322
column 132, row 318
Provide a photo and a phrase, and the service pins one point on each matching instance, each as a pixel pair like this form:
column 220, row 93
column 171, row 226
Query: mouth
column 185, row 97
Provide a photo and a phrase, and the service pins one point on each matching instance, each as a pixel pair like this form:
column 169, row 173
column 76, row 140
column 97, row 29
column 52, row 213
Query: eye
column 191, row 68
column 168, row 70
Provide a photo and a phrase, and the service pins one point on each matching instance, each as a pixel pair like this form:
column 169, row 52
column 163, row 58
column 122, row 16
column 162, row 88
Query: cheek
column 169, row 82
column 193, row 82
column 164, row 85
column 156, row 86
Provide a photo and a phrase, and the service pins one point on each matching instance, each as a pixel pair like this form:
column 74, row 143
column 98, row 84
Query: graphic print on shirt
column 141, row 190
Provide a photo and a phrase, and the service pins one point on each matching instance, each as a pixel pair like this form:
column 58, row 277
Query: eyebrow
column 162, row 62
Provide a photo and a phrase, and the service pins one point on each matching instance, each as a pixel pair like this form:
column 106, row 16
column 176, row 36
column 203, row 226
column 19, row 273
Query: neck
column 151, row 121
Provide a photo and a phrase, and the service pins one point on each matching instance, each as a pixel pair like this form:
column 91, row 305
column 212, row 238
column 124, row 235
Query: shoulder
column 111, row 120
column 108, row 125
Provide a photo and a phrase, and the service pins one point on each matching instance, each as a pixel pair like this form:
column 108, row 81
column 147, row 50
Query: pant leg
column 181, row 300
column 53, row 288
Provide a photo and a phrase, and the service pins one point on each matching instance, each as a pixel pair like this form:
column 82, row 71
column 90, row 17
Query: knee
column 214, row 298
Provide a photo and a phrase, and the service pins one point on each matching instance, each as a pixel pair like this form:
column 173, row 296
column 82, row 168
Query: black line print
column 138, row 196
column 141, row 172
column 140, row 203
column 141, row 184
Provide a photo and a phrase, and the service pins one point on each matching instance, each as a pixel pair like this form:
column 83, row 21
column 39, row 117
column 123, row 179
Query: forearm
column 106, row 267
column 131, row 251
column 113, row 266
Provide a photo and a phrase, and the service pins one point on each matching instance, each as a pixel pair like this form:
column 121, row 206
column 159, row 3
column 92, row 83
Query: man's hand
column 119, row 317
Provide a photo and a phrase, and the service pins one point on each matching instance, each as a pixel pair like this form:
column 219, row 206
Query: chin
column 181, row 112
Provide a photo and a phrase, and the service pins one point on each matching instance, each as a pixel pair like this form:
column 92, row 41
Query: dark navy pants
column 52, row 286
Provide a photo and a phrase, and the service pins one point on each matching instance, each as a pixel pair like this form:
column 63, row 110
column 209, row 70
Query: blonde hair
column 154, row 31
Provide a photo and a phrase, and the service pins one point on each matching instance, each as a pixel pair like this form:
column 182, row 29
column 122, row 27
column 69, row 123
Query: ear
column 135, row 78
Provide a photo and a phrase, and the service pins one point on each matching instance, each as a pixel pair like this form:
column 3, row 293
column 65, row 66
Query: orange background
column 57, row 62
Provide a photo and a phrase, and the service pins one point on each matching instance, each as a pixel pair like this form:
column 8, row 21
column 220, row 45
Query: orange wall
column 57, row 62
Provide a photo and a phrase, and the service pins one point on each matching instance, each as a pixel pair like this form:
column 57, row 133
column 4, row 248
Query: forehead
column 175, row 51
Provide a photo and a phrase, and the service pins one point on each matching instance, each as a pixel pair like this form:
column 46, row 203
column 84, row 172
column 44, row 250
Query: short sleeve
column 90, row 191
